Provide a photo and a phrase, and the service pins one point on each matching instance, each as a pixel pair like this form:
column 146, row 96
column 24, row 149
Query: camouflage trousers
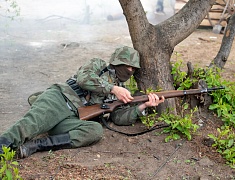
column 51, row 114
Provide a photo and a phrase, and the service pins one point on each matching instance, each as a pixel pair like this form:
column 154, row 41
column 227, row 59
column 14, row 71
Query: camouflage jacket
column 99, row 86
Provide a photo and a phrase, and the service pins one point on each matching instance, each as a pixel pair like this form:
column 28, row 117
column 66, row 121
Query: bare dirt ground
column 34, row 56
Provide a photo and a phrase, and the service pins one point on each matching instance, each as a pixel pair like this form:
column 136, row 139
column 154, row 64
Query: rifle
column 89, row 112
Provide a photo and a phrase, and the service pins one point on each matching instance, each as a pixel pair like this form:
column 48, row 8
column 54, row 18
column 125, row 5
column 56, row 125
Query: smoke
column 75, row 9
column 79, row 10
column 59, row 17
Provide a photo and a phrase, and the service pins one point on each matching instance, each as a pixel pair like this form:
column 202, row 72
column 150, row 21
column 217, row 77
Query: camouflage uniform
column 55, row 110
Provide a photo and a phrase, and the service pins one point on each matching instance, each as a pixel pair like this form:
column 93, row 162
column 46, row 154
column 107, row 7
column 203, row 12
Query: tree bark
column 156, row 43
column 226, row 45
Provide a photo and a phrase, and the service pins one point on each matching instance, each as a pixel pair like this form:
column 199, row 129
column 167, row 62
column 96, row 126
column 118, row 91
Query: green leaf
column 185, row 106
column 176, row 136
column 3, row 168
column 167, row 121
column 187, row 161
column 213, row 106
column 8, row 174
column 15, row 163
column 175, row 125
column 167, row 138
column 230, row 142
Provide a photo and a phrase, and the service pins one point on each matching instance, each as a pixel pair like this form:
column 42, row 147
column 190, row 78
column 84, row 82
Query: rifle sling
column 130, row 134
column 103, row 71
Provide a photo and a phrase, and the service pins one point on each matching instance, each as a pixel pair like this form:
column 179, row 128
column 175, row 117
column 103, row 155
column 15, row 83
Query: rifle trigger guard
column 104, row 106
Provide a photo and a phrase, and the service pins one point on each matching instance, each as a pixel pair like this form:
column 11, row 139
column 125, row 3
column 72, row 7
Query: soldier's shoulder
column 98, row 61
column 94, row 63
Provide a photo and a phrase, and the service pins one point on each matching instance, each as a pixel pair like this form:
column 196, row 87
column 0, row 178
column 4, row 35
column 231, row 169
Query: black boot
column 55, row 142
column 4, row 142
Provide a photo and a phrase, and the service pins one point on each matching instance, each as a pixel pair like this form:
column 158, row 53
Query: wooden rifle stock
column 89, row 112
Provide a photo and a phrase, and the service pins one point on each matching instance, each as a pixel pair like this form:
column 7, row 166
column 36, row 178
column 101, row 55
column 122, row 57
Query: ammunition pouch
column 79, row 91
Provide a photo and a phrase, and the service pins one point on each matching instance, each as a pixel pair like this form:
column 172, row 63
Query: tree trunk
column 156, row 43
column 227, row 42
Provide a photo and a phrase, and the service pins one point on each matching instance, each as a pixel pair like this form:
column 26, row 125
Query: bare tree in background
column 156, row 43
column 225, row 48
column 10, row 8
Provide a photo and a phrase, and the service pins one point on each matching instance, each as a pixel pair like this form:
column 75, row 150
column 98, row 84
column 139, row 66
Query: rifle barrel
column 89, row 112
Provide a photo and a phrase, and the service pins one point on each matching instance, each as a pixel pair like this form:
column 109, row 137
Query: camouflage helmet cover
column 125, row 55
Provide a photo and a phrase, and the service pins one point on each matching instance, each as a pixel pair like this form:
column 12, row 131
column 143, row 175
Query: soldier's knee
column 96, row 131
column 89, row 134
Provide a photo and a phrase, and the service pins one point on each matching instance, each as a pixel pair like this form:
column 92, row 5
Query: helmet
column 125, row 55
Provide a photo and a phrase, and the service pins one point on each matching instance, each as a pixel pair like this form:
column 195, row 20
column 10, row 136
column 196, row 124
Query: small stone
column 205, row 162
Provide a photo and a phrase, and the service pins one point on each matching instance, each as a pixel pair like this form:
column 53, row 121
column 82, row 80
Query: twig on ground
column 54, row 17
column 168, row 159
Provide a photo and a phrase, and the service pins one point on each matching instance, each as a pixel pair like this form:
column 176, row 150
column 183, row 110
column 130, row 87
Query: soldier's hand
column 122, row 94
column 154, row 100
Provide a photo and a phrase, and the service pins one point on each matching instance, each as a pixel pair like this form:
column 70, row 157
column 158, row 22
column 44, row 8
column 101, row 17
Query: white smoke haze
column 98, row 9
column 57, row 18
